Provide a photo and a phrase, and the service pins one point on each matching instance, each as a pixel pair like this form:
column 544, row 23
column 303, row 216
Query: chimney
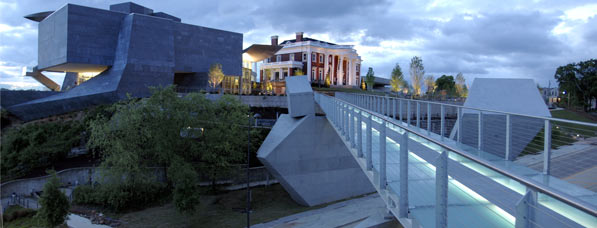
column 275, row 40
column 299, row 36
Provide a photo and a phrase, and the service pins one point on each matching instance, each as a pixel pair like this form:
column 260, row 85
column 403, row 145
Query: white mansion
column 313, row 57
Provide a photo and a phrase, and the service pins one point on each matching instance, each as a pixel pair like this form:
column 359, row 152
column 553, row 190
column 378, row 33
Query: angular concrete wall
column 311, row 161
column 136, row 50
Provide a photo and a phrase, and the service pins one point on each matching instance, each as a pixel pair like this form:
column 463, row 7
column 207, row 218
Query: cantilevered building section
column 108, row 54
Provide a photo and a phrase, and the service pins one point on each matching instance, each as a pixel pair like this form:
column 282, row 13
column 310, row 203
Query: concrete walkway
column 367, row 211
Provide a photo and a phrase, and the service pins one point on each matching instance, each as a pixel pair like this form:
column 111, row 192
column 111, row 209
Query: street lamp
column 248, row 209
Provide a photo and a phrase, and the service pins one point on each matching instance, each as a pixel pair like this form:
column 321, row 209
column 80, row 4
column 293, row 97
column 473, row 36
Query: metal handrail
column 489, row 110
column 589, row 209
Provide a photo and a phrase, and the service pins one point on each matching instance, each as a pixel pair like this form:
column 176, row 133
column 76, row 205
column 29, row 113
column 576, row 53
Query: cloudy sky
column 521, row 39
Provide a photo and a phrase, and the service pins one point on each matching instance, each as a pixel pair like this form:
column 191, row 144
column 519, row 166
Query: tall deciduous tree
column 461, row 88
column 430, row 84
column 397, row 79
column 185, row 135
column 579, row 80
column 417, row 72
column 54, row 204
column 215, row 75
column 370, row 78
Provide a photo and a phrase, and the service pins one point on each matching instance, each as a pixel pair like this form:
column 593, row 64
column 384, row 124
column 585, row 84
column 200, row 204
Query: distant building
column 550, row 96
column 314, row 58
column 110, row 54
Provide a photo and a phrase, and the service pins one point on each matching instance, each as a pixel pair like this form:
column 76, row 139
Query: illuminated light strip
column 499, row 211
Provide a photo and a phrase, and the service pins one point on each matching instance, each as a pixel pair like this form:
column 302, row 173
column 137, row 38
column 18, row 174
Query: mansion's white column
column 341, row 69
column 333, row 70
column 349, row 66
column 325, row 65
column 308, row 73
column 281, row 75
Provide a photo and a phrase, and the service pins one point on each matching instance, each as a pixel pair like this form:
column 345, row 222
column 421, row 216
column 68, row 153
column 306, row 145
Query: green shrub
column 37, row 145
column 120, row 197
column 54, row 204
column 15, row 212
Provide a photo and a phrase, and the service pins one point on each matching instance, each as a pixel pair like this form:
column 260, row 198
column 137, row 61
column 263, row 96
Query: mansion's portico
column 314, row 58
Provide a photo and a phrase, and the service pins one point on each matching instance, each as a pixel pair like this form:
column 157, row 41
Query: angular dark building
column 108, row 54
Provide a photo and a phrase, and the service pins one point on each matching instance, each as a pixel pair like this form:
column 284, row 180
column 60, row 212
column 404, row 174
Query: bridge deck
column 477, row 195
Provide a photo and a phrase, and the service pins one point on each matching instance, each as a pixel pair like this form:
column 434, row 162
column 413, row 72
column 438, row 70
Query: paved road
column 567, row 166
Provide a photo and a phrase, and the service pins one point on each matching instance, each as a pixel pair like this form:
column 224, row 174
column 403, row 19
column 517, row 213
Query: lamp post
column 248, row 209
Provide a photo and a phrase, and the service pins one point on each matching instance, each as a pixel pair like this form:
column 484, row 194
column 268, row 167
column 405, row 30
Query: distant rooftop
column 306, row 39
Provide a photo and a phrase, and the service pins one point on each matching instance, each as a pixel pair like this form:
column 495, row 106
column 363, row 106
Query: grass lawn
column 222, row 210
column 571, row 115
column 563, row 133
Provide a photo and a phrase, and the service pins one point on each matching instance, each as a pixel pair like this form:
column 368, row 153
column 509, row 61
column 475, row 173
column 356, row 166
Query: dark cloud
column 478, row 38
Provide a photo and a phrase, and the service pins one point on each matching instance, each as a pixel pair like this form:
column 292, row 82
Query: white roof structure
column 507, row 95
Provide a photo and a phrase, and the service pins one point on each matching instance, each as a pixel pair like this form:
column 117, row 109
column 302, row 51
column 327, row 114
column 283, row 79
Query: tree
column 397, row 79
column 580, row 81
column 446, row 85
column 54, row 204
column 461, row 89
column 215, row 75
column 416, row 74
column 185, row 135
column 363, row 86
column 430, row 84
column 370, row 78
column 328, row 82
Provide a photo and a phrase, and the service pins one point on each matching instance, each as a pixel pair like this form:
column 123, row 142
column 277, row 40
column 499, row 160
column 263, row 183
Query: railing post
column 369, row 146
column 442, row 113
column 525, row 210
column 441, row 190
column 382, row 155
column 428, row 118
column 383, row 106
column 547, row 147
column 400, row 110
column 460, row 119
column 480, row 139
column 360, row 134
column 508, row 137
column 403, row 204
column 345, row 122
column 418, row 114
column 351, row 126
column 394, row 108
column 408, row 113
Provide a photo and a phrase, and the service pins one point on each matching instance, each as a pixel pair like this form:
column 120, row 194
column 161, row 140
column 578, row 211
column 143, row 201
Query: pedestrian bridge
column 432, row 176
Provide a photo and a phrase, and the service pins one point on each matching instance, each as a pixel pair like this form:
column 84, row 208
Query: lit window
column 304, row 57
column 278, row 58
column 313, row 58
column 320, row 74
column 321, row 58
column 292, row 57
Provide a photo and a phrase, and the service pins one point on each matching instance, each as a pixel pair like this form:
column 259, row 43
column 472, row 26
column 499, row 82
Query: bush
column 37, row 145
column 54, row 204
column 122, row 196
column 15, row 212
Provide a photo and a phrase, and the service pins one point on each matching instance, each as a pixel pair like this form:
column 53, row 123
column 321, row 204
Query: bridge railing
column 510, row 136
column 372, row 124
